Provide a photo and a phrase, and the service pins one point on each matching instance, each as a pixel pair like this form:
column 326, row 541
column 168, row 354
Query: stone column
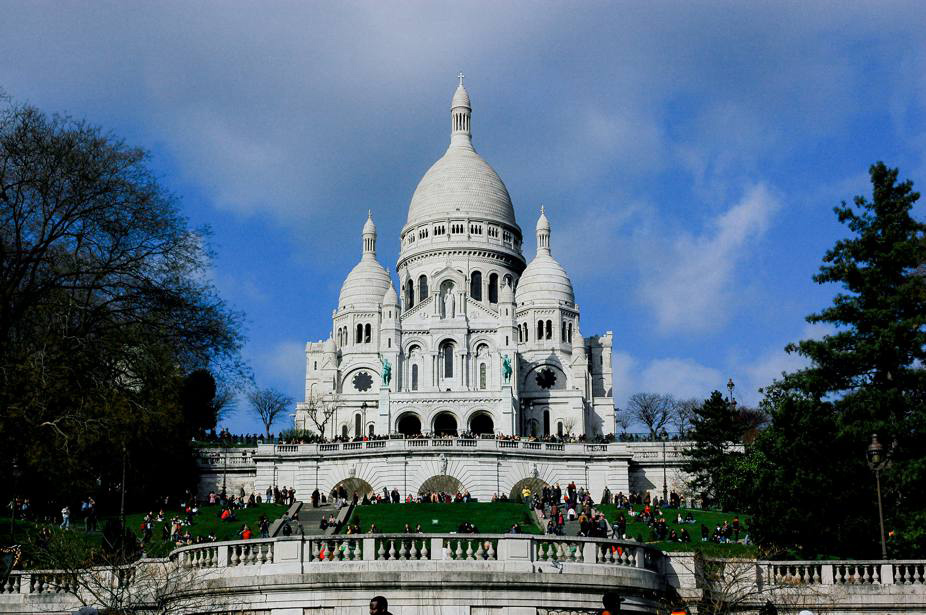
column 384, row 416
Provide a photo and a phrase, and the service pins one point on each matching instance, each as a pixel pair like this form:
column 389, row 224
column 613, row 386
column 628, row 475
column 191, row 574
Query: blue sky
column 689, row 155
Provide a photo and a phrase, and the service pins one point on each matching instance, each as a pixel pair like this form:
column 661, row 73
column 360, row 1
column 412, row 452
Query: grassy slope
column 205, row 522
column 488, row 517
column 710, row 518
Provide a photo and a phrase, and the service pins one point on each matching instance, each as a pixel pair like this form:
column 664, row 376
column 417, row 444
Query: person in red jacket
column 246, row 532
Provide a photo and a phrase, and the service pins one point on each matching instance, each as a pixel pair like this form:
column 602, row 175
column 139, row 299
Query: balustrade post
column 887, row 574
column 437, row 548
column 640, row 557
column 25, row 584
column 223, row 556
column 826, row 574
column 369, row 549
column 590, row 552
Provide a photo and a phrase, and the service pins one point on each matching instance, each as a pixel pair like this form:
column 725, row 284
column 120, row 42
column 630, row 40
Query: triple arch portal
column 436, row 484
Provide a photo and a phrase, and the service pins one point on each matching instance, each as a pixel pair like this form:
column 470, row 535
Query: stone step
column 311, row 517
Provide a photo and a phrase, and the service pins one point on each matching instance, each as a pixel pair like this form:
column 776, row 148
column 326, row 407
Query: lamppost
column 877, row 461
column 665, row 485
column 363, row 413
column 224, row 461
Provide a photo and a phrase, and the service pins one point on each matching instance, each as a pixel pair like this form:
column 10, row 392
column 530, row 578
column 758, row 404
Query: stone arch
column 408, row 423
column 536, row 485
column 445, row 422
column 352, row 485
column 441, row 482
column 481, row 422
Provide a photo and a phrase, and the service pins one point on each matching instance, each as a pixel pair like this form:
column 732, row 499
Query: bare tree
column 112, row 583
column 569, row 423
column 622, row 419
column 651, row 409
column 268, row 404
column 225, row 403
column 320, row 409
column 683, row 411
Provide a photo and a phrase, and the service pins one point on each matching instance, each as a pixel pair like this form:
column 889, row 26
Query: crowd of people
column 310, row 437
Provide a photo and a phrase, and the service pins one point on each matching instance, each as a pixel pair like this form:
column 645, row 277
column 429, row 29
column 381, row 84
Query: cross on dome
column 461, row 78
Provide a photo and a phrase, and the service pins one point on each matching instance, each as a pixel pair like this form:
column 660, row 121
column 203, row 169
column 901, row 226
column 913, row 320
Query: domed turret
column 368, row 280
column 544, row 280
column 461, row 183
column 390, row 297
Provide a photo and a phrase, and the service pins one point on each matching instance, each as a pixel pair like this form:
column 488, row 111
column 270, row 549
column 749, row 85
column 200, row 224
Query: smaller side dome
column 506, row 294
column 544, row 280
column 391, row 297
column 367, row 282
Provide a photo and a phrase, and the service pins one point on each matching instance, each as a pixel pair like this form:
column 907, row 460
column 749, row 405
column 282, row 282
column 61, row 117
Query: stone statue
column 387, row 370
column 448, row 304
column 506, row 368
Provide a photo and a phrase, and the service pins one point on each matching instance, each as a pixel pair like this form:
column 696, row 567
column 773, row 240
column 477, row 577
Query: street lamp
column 665, row 486
column 877, row 461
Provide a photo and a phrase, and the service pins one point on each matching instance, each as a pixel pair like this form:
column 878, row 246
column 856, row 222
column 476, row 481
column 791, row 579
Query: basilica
column 476, row 339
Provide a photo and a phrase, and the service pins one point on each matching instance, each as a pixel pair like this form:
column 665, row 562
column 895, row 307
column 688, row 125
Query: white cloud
column 682, row 378
column 687, row 282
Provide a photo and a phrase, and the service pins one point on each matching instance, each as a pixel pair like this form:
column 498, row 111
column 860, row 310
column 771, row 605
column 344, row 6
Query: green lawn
column 711, row 518
column 206, row 521
column 488, row 517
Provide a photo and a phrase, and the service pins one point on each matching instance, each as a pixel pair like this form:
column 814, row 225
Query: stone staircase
column 310, row 518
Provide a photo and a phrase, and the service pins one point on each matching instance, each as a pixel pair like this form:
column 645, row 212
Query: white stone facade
column 469, row 304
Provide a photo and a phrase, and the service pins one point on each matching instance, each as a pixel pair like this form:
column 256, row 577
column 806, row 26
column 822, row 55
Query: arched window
column 569, row 333
column 520, row 334
column 475, row 285
column 539, row 329
column 446, row 354
column 367, row 337
column 549, row 329
column 546, row 422
column 493, row 288
column 358, row 429
column 359, row 337
column 482, row 376
column 409, row 294
column 562, row 330
column 343, row 431
column 414, row 377
column 508, row 281
column 525, row 332
column 559, row 428
column 422, row 288
column 371, row 430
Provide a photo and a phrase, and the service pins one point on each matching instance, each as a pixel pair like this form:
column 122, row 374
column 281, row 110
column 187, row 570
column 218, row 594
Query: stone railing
column 878, row 572
column 442, row 444
column 394, row 548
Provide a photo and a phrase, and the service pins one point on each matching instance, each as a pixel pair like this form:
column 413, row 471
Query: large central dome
column 461, row 183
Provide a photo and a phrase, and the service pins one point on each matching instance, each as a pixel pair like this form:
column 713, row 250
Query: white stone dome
column 544, row 281
column 461, row 183
column 390, row 297
column 366, row 284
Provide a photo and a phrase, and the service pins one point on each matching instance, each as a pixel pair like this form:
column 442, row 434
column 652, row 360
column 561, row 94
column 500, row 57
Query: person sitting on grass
column 373, row 529
column 245, row 532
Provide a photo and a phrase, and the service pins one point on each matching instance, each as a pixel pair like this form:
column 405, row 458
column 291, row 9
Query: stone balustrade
column 393, row 548
column 461, row 569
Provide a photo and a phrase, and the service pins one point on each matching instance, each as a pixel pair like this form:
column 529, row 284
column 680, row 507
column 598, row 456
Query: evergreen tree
column 712, row 460
column 867, row 377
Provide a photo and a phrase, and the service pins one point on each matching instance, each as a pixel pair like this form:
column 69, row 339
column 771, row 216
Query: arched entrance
column 351, row 486
column 445, row 424
column 441, row 483
column 481, row 423
column 534, row 484
column 409, row 424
